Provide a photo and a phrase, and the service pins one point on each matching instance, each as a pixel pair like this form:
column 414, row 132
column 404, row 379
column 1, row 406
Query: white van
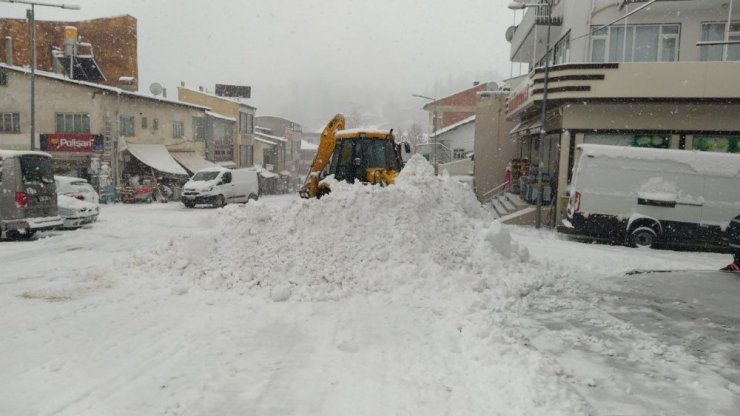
column 219, row 186
column 28, row 196
column 645, row 196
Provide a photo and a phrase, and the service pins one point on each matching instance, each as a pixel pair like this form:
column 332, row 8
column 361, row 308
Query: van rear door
column 37, row 192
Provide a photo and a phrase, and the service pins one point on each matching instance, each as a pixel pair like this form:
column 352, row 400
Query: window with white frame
column 716, row 32
column 10, row 123
column 635, row 43
column 73, row 122
column 178, row 129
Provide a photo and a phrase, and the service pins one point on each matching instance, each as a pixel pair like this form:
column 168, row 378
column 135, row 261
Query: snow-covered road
column 327, row 308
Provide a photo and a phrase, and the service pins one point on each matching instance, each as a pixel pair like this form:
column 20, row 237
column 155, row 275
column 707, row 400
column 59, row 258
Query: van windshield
column 205, row 176
column 36, row 169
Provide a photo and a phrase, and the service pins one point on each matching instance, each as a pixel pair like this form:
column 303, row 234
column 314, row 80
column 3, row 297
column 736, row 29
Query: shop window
column 178, row 129
column 127, row 126
column 73, row 123
column 10, row 123
column 155, row 124
column 722, row 144
column 635, row 43
column 144, row 123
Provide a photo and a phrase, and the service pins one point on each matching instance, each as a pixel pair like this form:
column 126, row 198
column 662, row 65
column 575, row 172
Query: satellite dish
column 155, row 88
column 510, row 33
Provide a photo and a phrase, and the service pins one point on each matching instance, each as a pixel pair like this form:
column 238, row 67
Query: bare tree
column 415, row 136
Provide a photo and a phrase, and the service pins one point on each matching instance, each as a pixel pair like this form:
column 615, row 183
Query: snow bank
column 425, row 231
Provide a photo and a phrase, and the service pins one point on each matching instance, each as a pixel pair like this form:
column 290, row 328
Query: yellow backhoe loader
column 368, row 156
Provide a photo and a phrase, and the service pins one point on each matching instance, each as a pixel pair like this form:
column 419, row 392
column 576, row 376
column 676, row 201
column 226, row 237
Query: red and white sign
column 70, row 142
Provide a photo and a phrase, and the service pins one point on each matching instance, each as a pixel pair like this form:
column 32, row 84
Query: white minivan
column 219, row 186
column 643, row 196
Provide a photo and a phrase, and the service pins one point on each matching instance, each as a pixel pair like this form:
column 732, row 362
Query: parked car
column 219, row 186
column 648, row 196
column 77, row 188
column 28, row 196
column 75, row 213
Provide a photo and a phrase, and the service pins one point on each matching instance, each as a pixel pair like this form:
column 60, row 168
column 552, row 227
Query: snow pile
column 419, row 270
column 424, row 232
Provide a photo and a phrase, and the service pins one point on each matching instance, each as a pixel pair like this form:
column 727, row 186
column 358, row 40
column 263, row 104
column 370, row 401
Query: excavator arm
column 310, row 188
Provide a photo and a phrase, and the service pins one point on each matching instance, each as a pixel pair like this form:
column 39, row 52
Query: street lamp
column 30, row 14
column 434, row 128
column 515, row 5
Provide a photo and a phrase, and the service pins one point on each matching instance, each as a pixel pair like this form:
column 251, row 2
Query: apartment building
column 628, row 73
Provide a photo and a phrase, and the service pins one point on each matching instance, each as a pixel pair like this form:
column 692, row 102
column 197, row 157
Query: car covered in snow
column 76, row 188
column 75, row 213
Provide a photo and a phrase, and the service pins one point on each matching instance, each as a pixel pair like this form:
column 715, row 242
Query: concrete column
column 561, row 201
column 675, row 138
column 689, row 142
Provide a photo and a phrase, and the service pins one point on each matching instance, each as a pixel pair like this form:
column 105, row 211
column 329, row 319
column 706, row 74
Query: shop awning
column 156, row 156
column 526, row 128
column 192, row 161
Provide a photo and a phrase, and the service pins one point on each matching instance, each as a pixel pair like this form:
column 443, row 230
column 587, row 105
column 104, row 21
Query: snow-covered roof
column 119, row 91
column 371, row 130
column 236, row 100
column 309, row 146
column 221, row 116
column 265, row 141
column 708, row 163
column 270, row 137
column 453, row 126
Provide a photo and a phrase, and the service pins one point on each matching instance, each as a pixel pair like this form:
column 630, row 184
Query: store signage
column 70, row 142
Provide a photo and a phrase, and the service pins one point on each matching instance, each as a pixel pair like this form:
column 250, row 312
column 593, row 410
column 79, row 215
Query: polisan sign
column 68, row 142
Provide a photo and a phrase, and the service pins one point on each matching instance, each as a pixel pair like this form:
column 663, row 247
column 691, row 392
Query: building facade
column 87, row 127
column 661, row 76
column 242, row 143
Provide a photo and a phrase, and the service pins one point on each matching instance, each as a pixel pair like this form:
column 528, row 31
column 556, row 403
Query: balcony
column 649, row 81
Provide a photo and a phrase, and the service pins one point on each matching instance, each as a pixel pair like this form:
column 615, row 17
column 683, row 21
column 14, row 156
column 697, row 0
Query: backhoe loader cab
column 368, row 156
column 358, row 155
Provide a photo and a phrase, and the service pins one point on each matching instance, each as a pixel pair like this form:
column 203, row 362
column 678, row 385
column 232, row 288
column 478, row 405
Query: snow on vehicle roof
column 13, row 153
column 707, row 163
column 353, row 132
column 69, row 179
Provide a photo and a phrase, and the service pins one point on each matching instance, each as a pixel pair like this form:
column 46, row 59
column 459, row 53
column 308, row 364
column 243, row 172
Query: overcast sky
column 307, row 60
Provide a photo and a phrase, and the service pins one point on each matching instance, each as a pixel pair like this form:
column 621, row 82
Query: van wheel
column 252, row 197
column 220, row 202
column 643, row 237
column 189, row 204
